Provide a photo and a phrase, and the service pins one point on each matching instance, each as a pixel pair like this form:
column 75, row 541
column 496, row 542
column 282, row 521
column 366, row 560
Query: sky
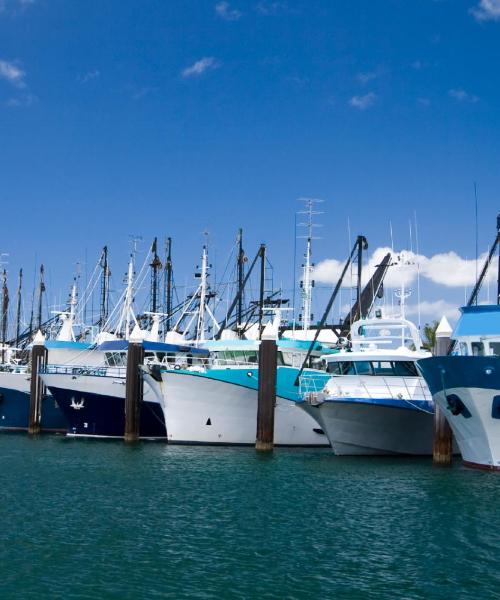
column 147, row 118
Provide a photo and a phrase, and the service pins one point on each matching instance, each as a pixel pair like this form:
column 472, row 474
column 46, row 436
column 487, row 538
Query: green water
column 91, row 519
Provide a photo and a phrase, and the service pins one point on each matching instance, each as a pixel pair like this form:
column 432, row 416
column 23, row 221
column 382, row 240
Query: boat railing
column 311, row 384
column 13, row 368
column 397, row 388
column 80, row 370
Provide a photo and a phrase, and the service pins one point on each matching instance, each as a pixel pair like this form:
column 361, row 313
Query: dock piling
column 38, row 360
column 268, row 364
column 133, row 390
column 443, row 437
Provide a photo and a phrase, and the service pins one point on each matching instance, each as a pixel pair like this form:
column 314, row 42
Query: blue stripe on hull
column 104, row 416
column 415, row 405
column 14, row 412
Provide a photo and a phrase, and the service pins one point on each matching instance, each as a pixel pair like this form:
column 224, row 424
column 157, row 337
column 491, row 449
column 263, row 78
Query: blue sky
column 164, row 118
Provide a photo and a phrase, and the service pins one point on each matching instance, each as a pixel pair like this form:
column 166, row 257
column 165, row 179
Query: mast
column 241, row 278
column 200, row 330
column 155, row 266
column 168, row 276
column 129, row 296
column 41, row 290
column 5, row 307
column 18, row 311
column 262, row 284
column 307, row 282
column 104, row 308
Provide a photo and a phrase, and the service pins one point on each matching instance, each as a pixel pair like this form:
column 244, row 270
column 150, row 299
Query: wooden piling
column 442, row 447
column 38, row 360
column 268, row 364
column 133, row 391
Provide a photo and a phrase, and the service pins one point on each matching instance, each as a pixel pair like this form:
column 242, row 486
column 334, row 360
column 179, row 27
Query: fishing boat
column 15, row 377
column 466, row 385
column 215, row 402
column 374, row 402
column 92, row 396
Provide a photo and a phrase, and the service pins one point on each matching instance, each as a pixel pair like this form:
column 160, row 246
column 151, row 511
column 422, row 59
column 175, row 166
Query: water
column 94, row 519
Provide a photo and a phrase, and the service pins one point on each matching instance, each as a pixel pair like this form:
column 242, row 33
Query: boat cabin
column 477, row 332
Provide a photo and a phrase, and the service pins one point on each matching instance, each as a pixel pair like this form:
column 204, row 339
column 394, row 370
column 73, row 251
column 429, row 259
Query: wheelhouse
column 477, row 333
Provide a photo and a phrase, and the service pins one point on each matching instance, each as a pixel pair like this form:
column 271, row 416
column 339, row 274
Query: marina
column 251, row 377
column 249, row 300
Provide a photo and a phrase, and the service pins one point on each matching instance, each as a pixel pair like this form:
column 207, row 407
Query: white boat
column 375, row 402
column 466, row 385
column 217, row 403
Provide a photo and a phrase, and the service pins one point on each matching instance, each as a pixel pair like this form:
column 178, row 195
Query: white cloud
column 363, row 102
column 22, row 100
column 200, row 66
column 10, row 72
column 447, row 269
column 224, row 11
column 90, row 75
column 462, row 96
column 433, row 310
column 12, row 5
column 367, row 76
column 487, row 10
column 273, row 8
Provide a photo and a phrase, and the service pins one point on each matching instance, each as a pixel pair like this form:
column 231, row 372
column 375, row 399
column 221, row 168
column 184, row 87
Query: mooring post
column 443, row 436
column 38, row 360
column 268, row 364
column 133, row 389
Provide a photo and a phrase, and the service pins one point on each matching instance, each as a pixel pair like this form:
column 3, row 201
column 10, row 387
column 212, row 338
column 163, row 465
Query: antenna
column 135, row 240
column 477, row 251
column 307, row 282
column 417, row 249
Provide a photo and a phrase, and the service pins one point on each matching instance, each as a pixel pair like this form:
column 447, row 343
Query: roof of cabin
column 482, row 320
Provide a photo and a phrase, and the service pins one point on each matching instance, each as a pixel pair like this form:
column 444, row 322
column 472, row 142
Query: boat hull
column 207, row 409
column 15, row 406
column 467, row 390
column 357, row 427
column 94, row 406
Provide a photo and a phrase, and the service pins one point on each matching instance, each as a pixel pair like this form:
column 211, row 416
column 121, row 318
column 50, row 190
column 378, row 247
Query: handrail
column 395, row 387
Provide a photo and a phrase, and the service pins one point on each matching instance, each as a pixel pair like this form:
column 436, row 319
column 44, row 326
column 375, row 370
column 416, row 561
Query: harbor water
column 96, row 519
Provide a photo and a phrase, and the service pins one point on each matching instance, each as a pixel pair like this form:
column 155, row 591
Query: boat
column 215, row 402
column 374, row 402
column 15, row 377
column 92, row 396
column 466, row 385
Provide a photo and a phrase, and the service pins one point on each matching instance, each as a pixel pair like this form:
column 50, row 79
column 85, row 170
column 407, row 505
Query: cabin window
column 477, row 349
column 341, row 368
column 463, row 349
column 363, row 368
column 115, row 359
column 382, row 367
column 405, row 368
column 495, row 348
column 170, row 357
